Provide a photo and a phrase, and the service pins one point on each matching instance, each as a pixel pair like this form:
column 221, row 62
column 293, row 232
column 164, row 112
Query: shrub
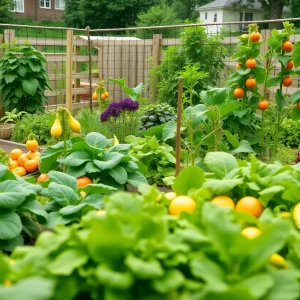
column 38, row 124
column 23, row 78
column 157, row 114
column 196, row 46
column 290, row 134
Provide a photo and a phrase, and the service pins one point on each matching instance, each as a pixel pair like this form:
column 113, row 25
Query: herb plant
column 23, row 78
column 158, row 158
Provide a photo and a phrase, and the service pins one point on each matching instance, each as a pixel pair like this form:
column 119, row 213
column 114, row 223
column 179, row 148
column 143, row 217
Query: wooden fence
column 114, row 58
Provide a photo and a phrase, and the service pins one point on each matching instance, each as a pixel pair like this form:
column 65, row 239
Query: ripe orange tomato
column 287, row 81
column 83, row 181
column 250, row 83
column 223, row 201
column 298, row 105
column 182, row 204
column 32, row 154
column 263, row 104
column 105, row 95
column 254, row 37
column 287, row 46
column 289, row 65
column 19, row 171
column 32, row 145
column 250, row 205
column 251, row 63
column 238, row 93
column 22, row 159
column 13, row 164
column 31, row 165
column 15, row 153
column 42, row 177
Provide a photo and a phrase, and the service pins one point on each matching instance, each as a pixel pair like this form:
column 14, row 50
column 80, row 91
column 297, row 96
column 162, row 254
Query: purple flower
column 116, row 108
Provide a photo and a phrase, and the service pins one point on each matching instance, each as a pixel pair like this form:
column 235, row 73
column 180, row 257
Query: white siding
column 211, row 19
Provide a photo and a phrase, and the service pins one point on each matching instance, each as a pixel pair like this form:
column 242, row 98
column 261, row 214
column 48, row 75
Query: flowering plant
column 120, row 117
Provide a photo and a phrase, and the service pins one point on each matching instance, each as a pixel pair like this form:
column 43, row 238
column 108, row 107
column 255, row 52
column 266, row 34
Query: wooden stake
column 179, row 106
column 87, row 31
column 69, row 70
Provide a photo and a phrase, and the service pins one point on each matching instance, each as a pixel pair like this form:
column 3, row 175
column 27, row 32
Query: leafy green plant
column 4, row 157
column 94, row 155
column 196, row 46
column 23, row 78
column 285, row 155
column 67, row 203
column 136, row 251
column 156, row 114
column 13, row 116
column 157, row 158
column 39, row 124
column 16, row 201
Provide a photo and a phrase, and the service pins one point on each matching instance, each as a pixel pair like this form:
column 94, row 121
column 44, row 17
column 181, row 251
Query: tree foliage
column 5, row 10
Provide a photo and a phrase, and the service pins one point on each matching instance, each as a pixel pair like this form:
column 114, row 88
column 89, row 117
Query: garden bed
column 7, row 146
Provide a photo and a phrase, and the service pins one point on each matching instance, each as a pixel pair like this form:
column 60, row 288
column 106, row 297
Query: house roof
column 230, row 3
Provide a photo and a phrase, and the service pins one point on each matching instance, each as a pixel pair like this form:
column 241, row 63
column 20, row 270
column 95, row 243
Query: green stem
column 65, row 137
column 262, row 135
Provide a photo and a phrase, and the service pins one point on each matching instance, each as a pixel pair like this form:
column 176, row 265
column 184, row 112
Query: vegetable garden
column 192, row 196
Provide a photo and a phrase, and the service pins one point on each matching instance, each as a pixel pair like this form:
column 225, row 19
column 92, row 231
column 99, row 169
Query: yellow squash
column 56, row 128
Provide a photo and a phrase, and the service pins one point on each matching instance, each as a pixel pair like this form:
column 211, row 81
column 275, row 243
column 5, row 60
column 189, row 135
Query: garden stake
column 179, row 105
column 87, row 31
column 65, row 137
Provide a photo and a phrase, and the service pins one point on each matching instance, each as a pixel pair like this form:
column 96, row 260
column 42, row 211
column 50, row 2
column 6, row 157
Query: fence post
column 9, row 36
column 77, row 71
column 156, row 53
column 265, row 34
column 69, row 70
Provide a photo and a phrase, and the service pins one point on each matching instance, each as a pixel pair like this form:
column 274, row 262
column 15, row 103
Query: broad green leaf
column 144, row 269
column 90, row 167
column 268, row 193
column 295, row 114
column 49, row 157
column 136, row 178
column 295, row 97
column 10, row 225
column 11, row 194
column 244, row 147
column 29, row 226
column 119, row 174
column 231, row 139
column 221, row 186
column 10, row 245
column 156, row 131
column 113, row 279
column 211, row 272
column 220, row 163
column 280, row 99
column 67, row 261
column 232, row 293
column 108, row 160
column 34, row 207
column 98, row 188
column 78, row 171
column 191, row 177
column 229, row 107
column 62, row 178
column 258, row 284
column 296, row 54
column 283, row 59
column 78, row 158
column 94, row 200
column 96, row 140
column 196, row 114
column 169, row 131
column 62, row 194
column 171, row 281
column 72, row 209
column 30, row 86
column 10, row 78
column 33, row 288
column 286, row 286
column 273, row 81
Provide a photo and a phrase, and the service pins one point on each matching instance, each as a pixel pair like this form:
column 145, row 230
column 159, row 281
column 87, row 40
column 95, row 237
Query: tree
column 72, row 15
column 158, row 15
column 5, row 10
column 105, row 13
column 295, row 10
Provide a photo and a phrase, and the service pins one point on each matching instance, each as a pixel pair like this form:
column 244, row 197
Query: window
column 19, row 6
column 45, row 3
column 241, row 16
column 248, row 17
column 206, row 16
column 215, row 18
column 59, row 4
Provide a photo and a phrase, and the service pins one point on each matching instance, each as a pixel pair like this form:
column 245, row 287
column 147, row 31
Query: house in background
column 220, row 11
column 40, row 9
